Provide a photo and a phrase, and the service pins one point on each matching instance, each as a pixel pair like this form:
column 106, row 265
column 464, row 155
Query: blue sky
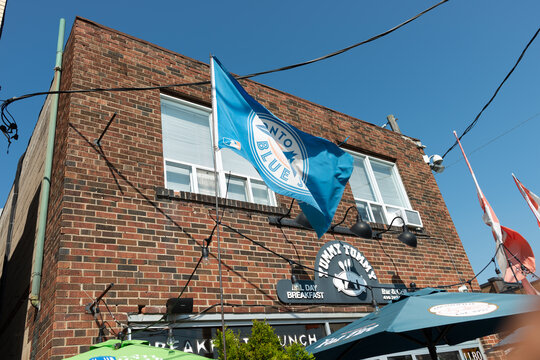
column 434, row 75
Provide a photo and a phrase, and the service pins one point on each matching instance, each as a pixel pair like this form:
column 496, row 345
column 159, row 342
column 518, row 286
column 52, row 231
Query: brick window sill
column 162, row 194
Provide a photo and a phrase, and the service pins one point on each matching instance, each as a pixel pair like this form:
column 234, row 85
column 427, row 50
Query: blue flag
column 291, row 162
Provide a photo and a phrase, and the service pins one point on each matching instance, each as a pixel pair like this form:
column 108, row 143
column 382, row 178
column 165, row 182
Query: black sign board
column 198, row 340
column 344, row 276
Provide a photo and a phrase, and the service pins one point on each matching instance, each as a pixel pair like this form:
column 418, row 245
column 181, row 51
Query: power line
column 10, row 130
column 492, row 140
column 338, row 52
column 471, row 125
column 290, row 261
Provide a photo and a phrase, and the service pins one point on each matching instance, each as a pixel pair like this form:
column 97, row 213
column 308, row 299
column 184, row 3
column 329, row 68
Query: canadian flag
column 532, row 199
column 513, row 250
column 519, row 254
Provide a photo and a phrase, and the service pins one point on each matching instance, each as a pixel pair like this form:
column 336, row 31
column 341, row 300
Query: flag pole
column 500, row 254
column 216, row 188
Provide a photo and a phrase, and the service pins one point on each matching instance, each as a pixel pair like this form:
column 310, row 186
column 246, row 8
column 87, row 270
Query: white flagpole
column 527, row 198
column 217, row 192
column 500, row 254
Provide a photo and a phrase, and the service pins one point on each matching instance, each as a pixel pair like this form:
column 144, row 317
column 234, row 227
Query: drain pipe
column 46, row 183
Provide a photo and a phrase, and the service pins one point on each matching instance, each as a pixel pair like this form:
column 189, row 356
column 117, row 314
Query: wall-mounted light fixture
column 302, row 220
column 359, row 228
column 406, row 237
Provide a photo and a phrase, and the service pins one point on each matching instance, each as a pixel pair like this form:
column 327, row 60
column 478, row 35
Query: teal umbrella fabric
column 425, row 318
column 132, row 349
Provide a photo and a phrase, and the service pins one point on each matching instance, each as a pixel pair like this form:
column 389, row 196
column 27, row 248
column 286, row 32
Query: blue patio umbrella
column 426, row 318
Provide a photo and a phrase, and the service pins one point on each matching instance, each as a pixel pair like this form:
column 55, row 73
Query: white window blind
column 188, row 157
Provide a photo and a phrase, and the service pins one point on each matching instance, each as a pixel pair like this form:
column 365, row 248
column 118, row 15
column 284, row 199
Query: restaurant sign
column 343, row 275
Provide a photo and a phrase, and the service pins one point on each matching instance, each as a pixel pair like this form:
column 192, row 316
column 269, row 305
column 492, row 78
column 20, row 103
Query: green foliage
column 263, row 344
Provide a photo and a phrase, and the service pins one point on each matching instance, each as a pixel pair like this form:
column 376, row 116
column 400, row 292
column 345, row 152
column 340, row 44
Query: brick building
column 136, row 210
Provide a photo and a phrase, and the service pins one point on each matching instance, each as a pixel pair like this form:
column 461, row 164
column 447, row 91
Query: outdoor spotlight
column 407, row 237
column 302, row 220
column 463, row 288
column 361, row 228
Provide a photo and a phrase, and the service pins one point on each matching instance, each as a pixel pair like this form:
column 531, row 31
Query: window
column 189, row 164
column 379, row 192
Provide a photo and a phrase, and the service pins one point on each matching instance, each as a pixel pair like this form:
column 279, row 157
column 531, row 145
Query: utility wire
column 9, row 129
column 181, row 293
column 524, row 267
column 338, row 52
column 471, row 125
column 290, row 261
column 495, row 139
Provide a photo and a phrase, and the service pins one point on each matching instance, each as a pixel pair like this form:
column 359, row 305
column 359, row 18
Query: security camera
column 463, row 288
column 437, row 159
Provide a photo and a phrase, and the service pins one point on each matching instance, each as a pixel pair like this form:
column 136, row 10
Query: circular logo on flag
column 279, row 152
column 476, row 308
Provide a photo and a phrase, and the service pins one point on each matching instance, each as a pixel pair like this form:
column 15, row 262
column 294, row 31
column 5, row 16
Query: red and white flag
column 532, row 200
column 519, row 253
column 512, row 248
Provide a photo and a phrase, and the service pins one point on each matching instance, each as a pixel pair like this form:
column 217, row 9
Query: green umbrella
column 425, row 318
column 132, row 349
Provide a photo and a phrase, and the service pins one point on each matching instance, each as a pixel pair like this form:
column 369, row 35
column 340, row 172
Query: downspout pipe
column 46, row 182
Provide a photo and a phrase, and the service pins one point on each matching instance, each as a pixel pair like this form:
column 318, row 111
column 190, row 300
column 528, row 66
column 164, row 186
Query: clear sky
column 434, row 75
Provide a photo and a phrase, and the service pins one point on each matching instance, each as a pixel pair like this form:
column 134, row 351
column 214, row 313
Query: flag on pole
column 291, row 162
column 532, row 200
column 520, row 255
column 492, row 221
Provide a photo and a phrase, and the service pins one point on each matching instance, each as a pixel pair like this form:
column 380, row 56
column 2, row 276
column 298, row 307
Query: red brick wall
column 108, row 224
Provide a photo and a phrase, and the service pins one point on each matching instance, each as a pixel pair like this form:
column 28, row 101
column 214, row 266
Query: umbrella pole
column 432, row 351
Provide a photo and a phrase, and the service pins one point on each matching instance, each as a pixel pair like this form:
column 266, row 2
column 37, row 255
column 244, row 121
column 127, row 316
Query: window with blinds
column 189, row 164
column 379, row 192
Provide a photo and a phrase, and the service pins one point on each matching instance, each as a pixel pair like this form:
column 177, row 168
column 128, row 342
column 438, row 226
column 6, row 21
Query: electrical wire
column 492, row 140
column 181, row 293
column 370, row 287
column 290, row 261
column 9, row 129
column 522, row 265
column 112, row 315
column 341, row 51
column 471, row 125
column 492, row 260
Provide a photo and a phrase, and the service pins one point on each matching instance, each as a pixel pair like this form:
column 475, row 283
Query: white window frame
column 378, row 195
column 222, row 174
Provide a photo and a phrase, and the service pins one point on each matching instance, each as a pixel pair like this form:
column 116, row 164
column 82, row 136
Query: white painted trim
column 187, row 320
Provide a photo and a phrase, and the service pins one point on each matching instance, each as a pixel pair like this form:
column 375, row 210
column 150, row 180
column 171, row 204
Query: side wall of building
column 18, row 228
column 111, row 221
